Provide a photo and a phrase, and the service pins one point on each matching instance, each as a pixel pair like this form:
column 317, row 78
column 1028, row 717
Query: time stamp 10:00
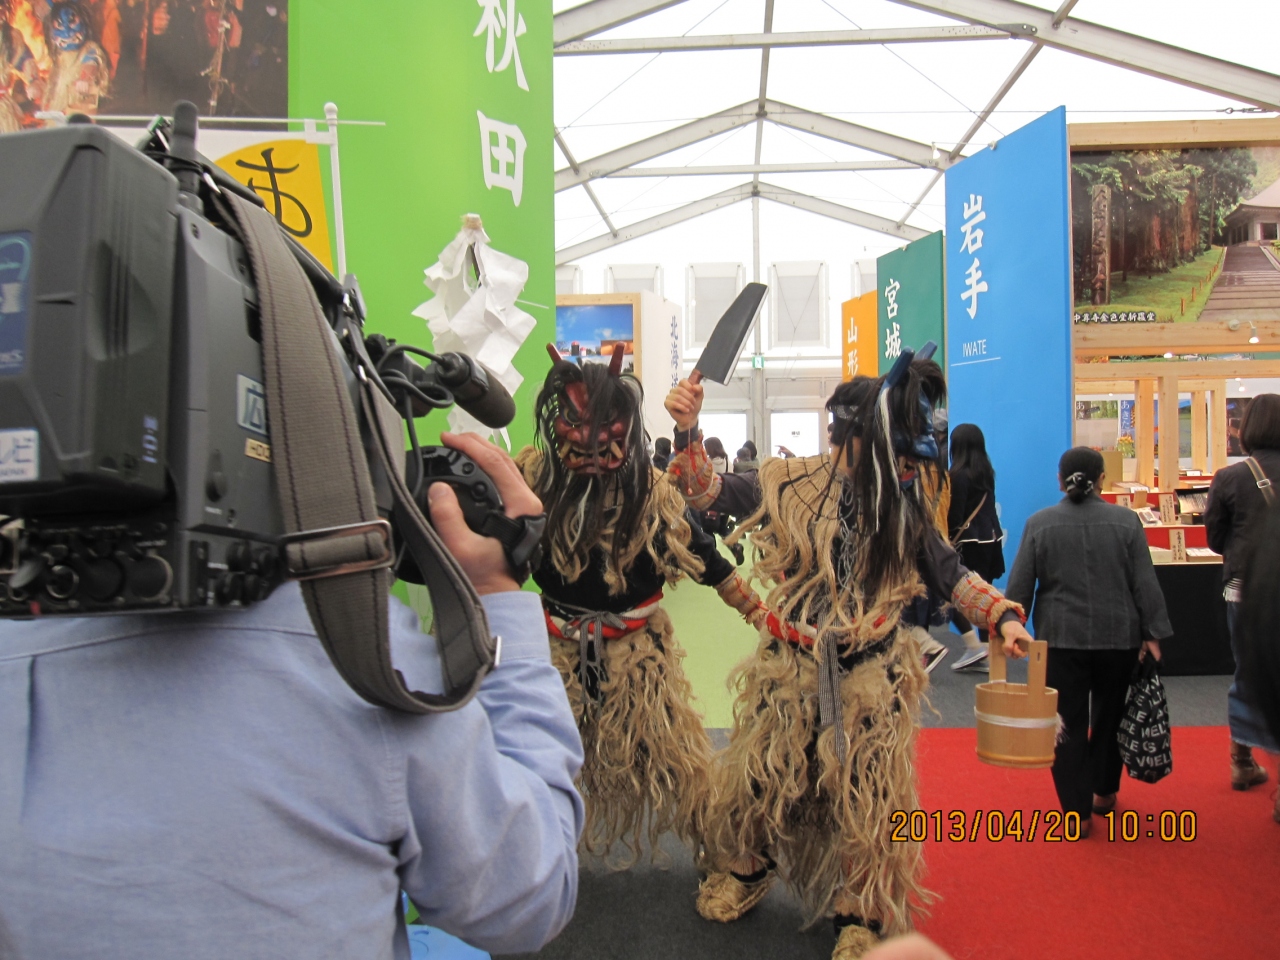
column 1049, row 826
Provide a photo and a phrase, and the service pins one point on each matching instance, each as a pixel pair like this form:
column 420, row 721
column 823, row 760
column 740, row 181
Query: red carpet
column 1215, row 896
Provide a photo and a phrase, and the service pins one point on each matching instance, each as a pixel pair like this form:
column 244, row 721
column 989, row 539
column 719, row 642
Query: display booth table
column 1192, row 590
column 1193, row 596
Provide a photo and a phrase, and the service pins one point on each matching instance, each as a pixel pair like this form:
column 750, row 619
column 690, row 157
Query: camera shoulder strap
column 336, row 543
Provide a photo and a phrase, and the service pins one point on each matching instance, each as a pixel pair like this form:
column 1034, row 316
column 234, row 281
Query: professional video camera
column 137, row 427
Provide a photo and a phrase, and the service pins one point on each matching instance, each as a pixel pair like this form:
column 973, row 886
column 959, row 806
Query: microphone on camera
column 474, row 388
column 182, row 149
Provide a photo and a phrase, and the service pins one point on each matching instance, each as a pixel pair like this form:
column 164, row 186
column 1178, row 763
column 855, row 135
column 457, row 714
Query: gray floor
column 1193, row 701
column 647, row 913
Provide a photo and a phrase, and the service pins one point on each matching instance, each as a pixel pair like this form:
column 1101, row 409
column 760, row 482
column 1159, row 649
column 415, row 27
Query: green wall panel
column 911, row 296
column 418, row 66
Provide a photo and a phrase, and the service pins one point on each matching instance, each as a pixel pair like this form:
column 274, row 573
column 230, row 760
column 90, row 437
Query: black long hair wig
column 884, row 524
column 969, row 453
column 582, row 507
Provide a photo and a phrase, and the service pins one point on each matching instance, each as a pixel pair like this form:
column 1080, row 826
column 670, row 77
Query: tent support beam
column 1246, row 84
column 769, row 39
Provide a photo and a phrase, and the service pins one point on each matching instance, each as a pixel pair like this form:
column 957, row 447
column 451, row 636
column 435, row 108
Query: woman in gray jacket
column 1084, row 570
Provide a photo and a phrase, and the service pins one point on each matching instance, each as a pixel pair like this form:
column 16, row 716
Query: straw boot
column 722, row 897
column 853, row 942
column 1245, row 771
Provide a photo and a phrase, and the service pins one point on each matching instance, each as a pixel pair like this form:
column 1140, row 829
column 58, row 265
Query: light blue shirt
column 207, row 786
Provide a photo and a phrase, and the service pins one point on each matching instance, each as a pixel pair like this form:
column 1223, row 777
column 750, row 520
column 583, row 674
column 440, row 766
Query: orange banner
column 858, row 344
column 286, row 175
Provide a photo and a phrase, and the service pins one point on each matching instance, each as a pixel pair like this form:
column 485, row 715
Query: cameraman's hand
column 481, row 558
column 684, row 403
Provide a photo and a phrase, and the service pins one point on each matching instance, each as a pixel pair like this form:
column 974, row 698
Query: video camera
column 135, row 446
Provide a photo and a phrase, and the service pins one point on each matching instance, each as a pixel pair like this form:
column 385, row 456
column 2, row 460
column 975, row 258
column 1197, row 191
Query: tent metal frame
column 980, row 20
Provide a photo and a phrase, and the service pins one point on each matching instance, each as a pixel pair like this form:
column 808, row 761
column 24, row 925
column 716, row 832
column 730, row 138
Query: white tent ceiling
column 864, row 101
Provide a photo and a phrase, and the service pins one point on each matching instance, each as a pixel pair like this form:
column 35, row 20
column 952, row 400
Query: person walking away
column 745, row 461
column 716, row 454
column 1086, row 565
column 1238, row 500
column 936, row 488
column 1259, row 626
column 973, row 527
column 662, row 453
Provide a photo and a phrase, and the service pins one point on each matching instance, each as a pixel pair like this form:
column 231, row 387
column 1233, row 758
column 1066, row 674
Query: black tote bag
column 1145, row 744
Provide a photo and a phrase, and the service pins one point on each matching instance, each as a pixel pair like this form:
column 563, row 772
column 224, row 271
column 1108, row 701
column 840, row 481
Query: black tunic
column 591, row 592
column 939, row 566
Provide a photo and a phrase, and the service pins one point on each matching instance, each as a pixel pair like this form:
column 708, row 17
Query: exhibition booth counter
column 1190, row 576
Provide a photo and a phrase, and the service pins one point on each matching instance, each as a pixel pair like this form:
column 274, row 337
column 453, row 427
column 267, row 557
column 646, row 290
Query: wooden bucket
column 1017, row 722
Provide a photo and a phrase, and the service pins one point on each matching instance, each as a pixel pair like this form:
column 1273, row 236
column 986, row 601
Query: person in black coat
column 1238, row 501
column 662, row 453
column 974, row 528
column 1259, row 628
column 1084, row 570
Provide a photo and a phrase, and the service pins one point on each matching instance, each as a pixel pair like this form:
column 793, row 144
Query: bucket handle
column 997, row 666
column 1037, row 665
column 1037, row 669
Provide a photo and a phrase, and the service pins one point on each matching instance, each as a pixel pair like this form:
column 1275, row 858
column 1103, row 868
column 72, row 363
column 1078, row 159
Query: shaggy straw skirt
column 781, row 790
column 645, row 769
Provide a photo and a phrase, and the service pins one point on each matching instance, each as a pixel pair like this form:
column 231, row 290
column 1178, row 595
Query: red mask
column 604, row 453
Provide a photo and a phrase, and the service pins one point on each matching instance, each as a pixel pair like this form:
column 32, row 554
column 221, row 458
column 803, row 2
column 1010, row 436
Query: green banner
column 912, row 303
column 464, row 89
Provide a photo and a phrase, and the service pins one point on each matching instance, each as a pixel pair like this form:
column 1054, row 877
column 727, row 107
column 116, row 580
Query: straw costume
column 617, row 533
column 821, row 751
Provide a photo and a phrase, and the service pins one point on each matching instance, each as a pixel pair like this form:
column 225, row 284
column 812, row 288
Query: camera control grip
column 477, row 493
column 482, row 508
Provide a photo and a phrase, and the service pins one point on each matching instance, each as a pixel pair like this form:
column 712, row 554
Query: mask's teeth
column 616, row 449
column 564, row 448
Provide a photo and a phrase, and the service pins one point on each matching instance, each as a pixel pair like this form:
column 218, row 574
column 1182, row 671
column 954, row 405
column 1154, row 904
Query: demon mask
column 67, row 27
column 593, row 424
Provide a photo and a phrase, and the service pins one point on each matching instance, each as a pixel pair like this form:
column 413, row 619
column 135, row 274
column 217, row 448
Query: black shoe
column 739, row 554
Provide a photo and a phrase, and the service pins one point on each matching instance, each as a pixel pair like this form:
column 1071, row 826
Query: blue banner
column 1009, row 311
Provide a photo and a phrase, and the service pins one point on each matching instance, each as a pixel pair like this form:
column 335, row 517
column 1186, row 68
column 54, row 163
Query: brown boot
column 1245, row 771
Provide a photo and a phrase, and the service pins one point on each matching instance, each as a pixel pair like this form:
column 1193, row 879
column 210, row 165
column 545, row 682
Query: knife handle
column 695, row 378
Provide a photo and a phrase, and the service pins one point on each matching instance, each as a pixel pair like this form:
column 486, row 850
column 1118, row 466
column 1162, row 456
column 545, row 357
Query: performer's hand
column 684, row 403
column 1150, row 647
column 481, row 558
column 1014, row 634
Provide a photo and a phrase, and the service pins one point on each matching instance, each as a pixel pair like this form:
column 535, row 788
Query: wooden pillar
column 1218, row 427
column 1169, row 433
column 1144, row 431
column 1199, row 431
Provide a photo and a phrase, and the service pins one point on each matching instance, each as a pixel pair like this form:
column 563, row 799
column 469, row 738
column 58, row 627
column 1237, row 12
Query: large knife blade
column 721, row 352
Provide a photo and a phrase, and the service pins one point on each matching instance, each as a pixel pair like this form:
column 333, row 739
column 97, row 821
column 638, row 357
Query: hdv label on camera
column 19, row 455
column 15, row 264
column 251, row 404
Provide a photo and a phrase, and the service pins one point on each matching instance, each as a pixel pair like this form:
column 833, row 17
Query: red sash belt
column 801, row 635
column 630, row 620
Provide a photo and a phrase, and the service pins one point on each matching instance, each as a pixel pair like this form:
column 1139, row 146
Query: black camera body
column 135, row 453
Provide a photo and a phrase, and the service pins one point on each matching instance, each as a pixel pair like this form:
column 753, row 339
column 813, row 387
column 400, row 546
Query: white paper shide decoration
column 475, row 312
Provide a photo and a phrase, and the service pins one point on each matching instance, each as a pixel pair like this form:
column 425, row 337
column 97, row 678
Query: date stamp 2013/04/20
column 1048, row 826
